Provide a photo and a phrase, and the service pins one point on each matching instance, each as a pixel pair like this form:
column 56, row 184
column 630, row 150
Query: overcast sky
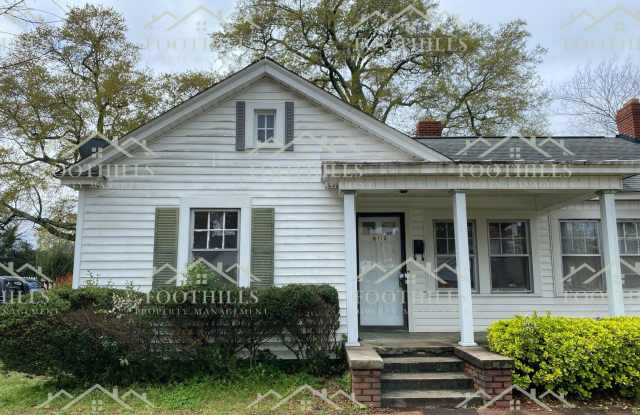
column 173, row 34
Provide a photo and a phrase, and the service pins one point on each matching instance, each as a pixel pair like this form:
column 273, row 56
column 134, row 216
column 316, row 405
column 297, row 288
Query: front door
column 380, row 258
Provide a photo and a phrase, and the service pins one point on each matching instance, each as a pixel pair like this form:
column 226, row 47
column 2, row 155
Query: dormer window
column 265, row 127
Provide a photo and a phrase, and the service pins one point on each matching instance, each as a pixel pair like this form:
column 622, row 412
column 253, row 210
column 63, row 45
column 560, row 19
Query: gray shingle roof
column 556, row 149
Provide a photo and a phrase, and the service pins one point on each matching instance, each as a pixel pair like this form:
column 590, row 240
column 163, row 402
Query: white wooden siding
column 198, row 159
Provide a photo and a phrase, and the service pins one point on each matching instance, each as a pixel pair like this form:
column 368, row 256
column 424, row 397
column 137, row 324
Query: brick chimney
column 428, row 128
column 628, row 119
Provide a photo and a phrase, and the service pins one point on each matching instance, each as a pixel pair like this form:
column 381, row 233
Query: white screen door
column 380, row 267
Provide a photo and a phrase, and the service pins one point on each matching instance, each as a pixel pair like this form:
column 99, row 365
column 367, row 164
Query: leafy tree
column 409, row 57
column 54, row 256
column 73, row 80
column 14, row 248
column 595, row 93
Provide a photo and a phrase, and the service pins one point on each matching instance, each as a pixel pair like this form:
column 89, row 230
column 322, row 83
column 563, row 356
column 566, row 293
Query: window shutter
column 262, row 246
column 288, row 126
column 240, row 125
column 165, row 248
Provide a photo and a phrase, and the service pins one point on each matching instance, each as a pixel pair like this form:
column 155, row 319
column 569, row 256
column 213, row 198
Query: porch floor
column 403, row 338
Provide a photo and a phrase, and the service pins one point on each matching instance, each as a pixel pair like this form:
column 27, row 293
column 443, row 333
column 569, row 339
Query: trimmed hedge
column 107, row 335
column 577, row 356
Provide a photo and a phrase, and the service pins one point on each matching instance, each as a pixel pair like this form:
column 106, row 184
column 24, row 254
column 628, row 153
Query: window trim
column 475, row 256
column 216, row 200
column 529, row 255
column 252, row 108
column 562, row 255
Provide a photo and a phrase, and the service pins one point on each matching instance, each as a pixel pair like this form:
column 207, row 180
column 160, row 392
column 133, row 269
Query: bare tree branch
column 594, row 94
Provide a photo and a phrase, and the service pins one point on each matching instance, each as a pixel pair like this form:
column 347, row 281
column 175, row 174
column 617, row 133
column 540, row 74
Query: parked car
column 11, row 286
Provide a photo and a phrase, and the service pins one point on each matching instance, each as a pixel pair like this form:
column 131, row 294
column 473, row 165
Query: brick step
column 426, row 381
column 421, row 364
column 417, row 351
column 428, row 399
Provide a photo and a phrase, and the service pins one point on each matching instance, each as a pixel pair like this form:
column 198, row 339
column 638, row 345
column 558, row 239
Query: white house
column 276, row 181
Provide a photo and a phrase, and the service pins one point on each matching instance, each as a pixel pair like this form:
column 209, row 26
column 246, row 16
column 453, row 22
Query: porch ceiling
column 525, row 199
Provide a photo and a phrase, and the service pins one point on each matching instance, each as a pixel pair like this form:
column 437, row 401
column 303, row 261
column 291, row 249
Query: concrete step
column 420, row 364
column 398, row 351
column 427, row 399
column 426, row 381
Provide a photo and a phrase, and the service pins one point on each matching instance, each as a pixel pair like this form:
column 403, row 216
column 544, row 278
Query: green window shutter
column 165, row 247
column 262, row 246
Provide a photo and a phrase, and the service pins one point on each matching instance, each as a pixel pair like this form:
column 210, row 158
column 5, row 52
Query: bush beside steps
column 576, row 356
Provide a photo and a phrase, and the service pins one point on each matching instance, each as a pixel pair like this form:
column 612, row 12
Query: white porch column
column 351, row 267
column 611, row 253
column 463, row 268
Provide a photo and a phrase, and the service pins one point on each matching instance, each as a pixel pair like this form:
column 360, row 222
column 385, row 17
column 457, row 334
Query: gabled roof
column 268, row 68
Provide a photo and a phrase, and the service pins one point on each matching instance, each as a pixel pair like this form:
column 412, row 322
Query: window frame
column 475, row 267
column 529, row 255
column 251, row 123
column 257, row 127
column 563, row 255
column 622, row 238
column 192, row 231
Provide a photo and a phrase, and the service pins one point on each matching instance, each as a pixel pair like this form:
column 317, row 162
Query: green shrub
column 577, row 356
column 114, row 336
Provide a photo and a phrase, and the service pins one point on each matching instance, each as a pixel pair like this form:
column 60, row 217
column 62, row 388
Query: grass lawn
column 20, row 394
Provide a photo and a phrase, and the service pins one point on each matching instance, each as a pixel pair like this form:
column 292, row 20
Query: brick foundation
column 365, row 386
column 492, row 381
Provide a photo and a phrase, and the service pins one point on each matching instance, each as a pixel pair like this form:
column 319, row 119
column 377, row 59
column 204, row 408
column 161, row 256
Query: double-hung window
column 265, row 127
column 581, row 261
column 445, row 244
column 215, row 240
column 629, row 243
column 510, row 256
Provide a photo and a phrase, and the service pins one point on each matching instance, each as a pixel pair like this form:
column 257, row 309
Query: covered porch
column 449, row 221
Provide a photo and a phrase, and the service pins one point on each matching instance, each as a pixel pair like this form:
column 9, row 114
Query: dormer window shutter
column 288, row 125
column 240, row 125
